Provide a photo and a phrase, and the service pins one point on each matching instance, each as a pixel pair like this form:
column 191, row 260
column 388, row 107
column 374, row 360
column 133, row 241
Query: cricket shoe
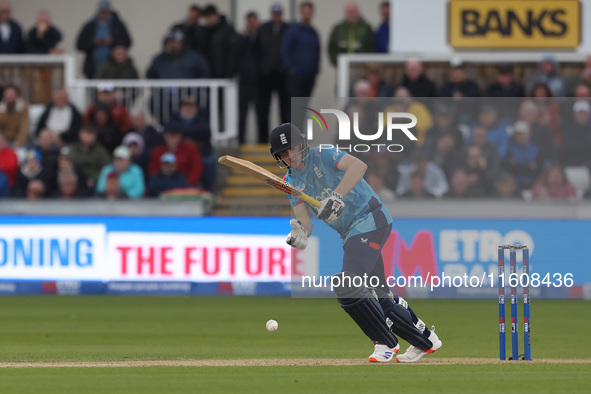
column 383, row 353
column 414, row 354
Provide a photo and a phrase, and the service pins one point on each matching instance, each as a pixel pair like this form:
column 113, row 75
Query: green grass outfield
column 202, row 344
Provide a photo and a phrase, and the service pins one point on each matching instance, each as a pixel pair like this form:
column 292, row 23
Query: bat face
column 267, row 177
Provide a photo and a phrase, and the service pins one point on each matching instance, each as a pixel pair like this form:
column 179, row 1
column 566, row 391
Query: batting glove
column 331, row 208
column 298, row 237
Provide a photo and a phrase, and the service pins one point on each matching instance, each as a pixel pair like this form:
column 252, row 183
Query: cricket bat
column 268, row 177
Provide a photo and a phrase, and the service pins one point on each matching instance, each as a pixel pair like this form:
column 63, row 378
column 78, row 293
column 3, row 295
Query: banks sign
column 503, row 24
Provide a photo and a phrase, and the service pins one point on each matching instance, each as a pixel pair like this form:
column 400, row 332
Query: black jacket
column 195, row 35
column 159, row 183
column 422, row 87
column 269, row 47
column 15, row 43
column 50, row 39
column 69, row 135
column 222, row 50
column 85, row 41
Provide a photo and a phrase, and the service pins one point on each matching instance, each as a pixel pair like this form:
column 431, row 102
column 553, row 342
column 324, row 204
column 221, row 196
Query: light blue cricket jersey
column 320, row 177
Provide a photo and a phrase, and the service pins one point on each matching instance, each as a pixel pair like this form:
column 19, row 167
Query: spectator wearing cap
column 382, row 34
column 525, row 159
column 131, row 177
column 167, row 178
column 193, row 32
column 11, row 34
column 98, row 34
column 14, row 116
column 67, row 188
column 118, row 65
column 553, row 185
column 549, row 75
column 300, row 54
column 576, row 135
column 31, row 169
column 44, row 37
column 505, row 85
column 107, row 95
column 272, row 76
column 444, row 122
column 434, row 179
column 222, row 44
column 65, row 164
column 8, row 161
column 416, row 81
column 353, row 35
column 496, row 132
column 176, row 61
column 459, row 85
column 248, row 87
column 61, row 117
column 188, row 157
column 89, row 155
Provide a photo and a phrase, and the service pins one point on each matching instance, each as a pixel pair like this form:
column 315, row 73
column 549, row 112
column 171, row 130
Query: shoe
column 383, row 353
column 414, row 354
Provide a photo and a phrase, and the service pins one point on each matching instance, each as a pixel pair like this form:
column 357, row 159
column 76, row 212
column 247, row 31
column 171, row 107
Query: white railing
column 219, row 96
column 161, row 98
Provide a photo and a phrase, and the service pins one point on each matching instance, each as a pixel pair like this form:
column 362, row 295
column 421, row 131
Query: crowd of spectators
column 465, row 148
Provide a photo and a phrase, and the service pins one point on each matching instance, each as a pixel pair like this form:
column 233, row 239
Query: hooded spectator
column 89, row 155
column 167, row 178
column 11, row 34
column 187, row 155
column 382, row 35
column 61, row 117
column 549, row 76
column 97, row 36
column 14, row 116
column 44, row 37
column 415, row 80
column 353, row 35
column 131, row 177
column 118, row 65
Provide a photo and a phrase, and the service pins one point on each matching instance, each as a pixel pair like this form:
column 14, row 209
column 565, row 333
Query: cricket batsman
column 351, row 207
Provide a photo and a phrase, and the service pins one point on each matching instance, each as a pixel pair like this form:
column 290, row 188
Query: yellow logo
column 506, row 24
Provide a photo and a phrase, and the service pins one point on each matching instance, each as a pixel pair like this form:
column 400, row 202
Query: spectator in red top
column 107, row 95
column 188, row 157
column 8, row 161
column 553, row 185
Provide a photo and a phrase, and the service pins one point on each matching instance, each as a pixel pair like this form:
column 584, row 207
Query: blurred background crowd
column 519, row 139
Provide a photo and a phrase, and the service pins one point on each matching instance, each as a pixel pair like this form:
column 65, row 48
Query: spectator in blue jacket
column 496, row 133
column 167, row 178
column 382, row 34
column 300, row 53
column 131, row 177
column 11, row 34
column 525, row 158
